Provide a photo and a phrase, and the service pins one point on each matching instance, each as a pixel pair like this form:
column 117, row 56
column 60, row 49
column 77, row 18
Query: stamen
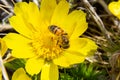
column 46, row 46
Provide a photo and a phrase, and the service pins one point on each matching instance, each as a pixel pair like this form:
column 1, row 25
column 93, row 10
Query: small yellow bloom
column 48, row 37
column 114, row 7
column 20, row 74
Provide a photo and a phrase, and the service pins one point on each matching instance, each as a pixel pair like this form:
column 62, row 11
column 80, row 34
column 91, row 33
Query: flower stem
column 3, row 69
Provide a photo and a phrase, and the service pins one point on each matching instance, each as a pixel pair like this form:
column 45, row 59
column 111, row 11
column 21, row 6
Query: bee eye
column 53, row 28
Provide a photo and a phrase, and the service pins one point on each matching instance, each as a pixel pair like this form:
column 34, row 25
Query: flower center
column 48, row 45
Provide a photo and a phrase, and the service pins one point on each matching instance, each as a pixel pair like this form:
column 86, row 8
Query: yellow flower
column 114, row 7
column 48, row 37
column 20, row 74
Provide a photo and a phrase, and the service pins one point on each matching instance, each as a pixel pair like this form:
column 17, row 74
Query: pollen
column 45, row 46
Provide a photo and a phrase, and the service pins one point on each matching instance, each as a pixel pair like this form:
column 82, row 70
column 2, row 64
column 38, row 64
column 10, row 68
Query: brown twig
column 4, row 73
column 5, row 27
column 7, row 4
column 98, row 21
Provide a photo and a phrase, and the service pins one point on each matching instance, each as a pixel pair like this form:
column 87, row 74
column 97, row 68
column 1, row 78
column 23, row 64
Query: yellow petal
column 60, row 13
column 20, row 25
column 34, row 65
column 114, row 7
column 49, row 72
column 34, row 21
column 3, row 47
column 74, row 57
column 79, row 49
column 82, row 46
column 46, row 9
column 20, row 45
column 68, row 59
column 24, row 22
column 21, row 8
column 26, row 10
column 77, row 23
column 20, row 74
column 62, row 61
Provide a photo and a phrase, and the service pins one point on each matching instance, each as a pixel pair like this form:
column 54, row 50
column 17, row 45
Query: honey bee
column 63, row 40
